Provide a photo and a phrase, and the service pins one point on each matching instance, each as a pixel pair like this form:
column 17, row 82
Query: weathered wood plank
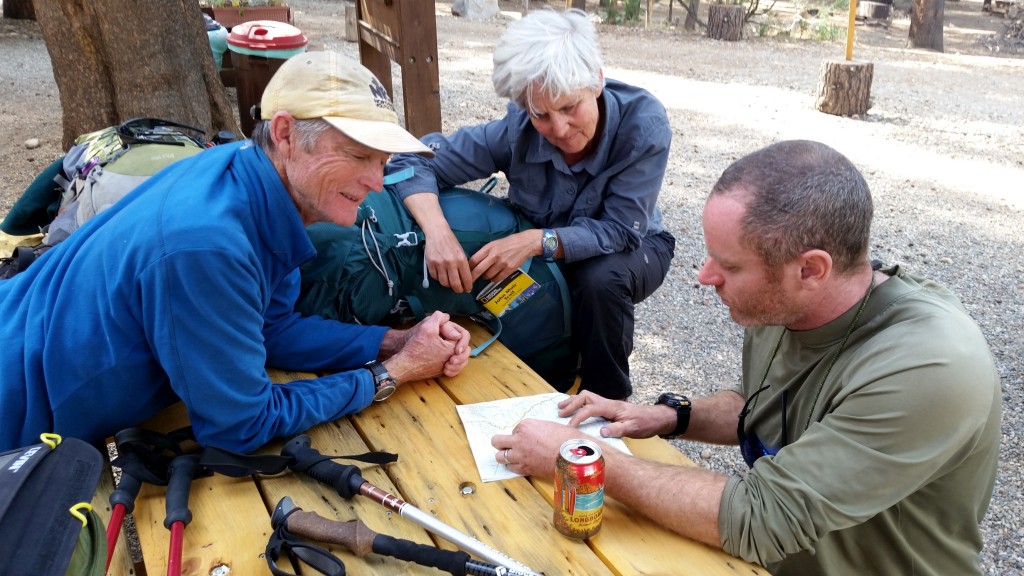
column 436, row 470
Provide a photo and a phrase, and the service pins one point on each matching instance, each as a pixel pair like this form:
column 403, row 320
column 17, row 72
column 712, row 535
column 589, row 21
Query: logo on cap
column 380, row 95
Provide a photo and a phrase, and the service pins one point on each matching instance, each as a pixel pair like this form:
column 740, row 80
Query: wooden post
column 351, row 22
column 725, row 22
column 844, row 88
column 404, row 33
column 579, row 4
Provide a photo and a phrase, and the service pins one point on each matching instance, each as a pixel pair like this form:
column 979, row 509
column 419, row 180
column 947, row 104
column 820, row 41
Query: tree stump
column 725, row 21
column 874, row 10
column 844, row 88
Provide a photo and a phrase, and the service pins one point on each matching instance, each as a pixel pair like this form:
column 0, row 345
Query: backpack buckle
column 404, row 239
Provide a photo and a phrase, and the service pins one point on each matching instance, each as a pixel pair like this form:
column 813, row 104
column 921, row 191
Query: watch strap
column 383, row 383
column 681, row 404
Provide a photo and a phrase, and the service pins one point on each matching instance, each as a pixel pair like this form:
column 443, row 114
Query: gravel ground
column 941, row 148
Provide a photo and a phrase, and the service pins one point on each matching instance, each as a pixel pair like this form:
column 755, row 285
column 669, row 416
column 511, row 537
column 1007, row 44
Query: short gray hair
column 557, row 50
column 309, row 131
column 801, row 195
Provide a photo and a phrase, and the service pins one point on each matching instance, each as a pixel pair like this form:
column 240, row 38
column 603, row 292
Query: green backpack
column 100, row 169
column 374, row 272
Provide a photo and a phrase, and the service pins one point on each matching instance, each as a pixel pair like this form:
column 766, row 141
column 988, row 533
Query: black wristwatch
column 383, row 383
column 681, row 404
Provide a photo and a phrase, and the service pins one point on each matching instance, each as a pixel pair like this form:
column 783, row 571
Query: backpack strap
column 495, row 328
column 563, row 289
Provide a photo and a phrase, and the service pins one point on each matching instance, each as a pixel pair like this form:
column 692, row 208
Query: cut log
column 874, row 10
column 844, row 88
column 725, row 22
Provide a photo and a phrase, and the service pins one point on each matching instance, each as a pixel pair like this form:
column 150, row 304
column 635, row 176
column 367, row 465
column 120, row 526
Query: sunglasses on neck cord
column 751, row 446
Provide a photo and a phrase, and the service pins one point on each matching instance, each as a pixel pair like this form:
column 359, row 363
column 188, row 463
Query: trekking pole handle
column 345, row 478
column 126, row 492
column 182, row 470
column 361, row 540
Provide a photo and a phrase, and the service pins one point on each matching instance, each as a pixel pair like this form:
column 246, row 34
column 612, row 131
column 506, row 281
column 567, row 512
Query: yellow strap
column 75, row 511
column 51, row 440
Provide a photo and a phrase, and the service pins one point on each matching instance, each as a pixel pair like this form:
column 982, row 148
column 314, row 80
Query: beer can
column 579, row 489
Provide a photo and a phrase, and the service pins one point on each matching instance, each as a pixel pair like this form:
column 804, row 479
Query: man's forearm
column 684, row 499
column 713, row 418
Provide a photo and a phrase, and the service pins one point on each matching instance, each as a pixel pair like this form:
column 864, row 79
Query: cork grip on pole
column 353, row 535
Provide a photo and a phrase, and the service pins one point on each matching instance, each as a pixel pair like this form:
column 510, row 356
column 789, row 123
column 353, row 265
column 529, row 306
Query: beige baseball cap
column 344, row 93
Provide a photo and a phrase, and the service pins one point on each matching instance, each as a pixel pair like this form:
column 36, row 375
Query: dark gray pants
column 604, row 293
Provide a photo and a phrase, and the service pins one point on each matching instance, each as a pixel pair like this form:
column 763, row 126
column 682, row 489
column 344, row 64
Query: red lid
column 266, row 35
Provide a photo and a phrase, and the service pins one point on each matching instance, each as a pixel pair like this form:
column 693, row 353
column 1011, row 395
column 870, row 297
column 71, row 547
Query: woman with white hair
column 585, row 157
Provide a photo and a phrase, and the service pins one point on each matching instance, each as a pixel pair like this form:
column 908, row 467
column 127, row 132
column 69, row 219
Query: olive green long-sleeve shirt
column 889, row 461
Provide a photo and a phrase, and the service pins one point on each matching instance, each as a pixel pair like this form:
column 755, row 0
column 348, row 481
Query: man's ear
column 281, row 132
column 815, row 266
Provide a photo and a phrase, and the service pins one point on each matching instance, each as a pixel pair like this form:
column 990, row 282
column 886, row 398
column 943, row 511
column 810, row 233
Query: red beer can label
column 579, row 489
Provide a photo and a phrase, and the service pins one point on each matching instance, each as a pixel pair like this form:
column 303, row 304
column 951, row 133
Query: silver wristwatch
column 549, row 243
column 383, row 383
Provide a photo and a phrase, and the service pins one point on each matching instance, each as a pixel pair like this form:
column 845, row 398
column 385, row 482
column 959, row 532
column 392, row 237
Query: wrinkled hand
column 532, row 448
column 499, row 258
column 434, row 346
column 446, row 261
column 626, row 419
column 459, row 336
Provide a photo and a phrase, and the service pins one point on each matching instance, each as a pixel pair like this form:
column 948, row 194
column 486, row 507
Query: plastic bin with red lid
column 258, row 50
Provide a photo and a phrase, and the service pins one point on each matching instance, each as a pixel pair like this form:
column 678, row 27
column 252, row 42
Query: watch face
column 384, row 390
column 672, row 399
column 550, row 243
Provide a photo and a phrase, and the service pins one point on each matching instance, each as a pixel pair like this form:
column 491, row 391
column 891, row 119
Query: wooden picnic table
column 231, row 516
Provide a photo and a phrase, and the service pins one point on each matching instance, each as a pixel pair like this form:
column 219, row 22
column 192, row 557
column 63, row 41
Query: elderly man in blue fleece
column 185, row 289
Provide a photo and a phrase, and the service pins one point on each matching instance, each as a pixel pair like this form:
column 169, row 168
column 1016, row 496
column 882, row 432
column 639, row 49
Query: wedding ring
column 505, row 456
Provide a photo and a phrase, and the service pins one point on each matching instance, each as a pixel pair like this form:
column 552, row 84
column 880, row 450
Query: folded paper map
column 485, row 419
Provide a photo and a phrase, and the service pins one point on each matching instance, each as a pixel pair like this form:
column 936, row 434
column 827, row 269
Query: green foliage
column 828, row 32
column 630, row 13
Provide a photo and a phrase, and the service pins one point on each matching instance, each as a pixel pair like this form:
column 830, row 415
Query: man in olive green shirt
column 869, row 405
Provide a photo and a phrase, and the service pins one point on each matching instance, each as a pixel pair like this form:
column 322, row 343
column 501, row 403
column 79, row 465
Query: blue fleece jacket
column 184, row 289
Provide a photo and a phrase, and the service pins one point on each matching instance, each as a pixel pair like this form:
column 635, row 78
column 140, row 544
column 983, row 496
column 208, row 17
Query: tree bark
column 114, row 60
column 926, row 24
column 725, row 22
column 19, row 10
column 692, row 9
column 844, row 88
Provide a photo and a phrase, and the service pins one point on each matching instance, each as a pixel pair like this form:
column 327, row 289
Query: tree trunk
column 926, row 24
column 725, row 22
column 578, row 4
column 119, row 59
column 692, row 9
column 19, row 10
column 844, row 88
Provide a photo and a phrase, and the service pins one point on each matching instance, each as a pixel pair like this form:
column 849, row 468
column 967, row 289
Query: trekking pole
column 123, row 501
column 182, row 470
column 348, row 481
column 142, row 456
column 358, row 538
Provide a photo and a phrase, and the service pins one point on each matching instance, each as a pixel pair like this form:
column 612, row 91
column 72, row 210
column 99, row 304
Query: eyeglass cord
column 832, row 362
